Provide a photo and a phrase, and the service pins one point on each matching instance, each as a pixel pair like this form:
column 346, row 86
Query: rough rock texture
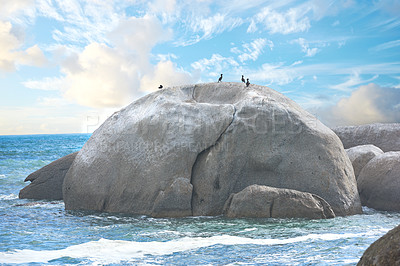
column 216, row 139
column 46, row 183
column 379, row 182
column 384, row 251
column 384, row 136
column 263, row 201
column 361, row 155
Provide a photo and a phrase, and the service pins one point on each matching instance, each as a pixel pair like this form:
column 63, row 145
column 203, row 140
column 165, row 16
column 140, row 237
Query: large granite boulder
column 361, row 155
column 384, row 251
column 379, row 182
column 384, row 136
column 46, row 183
column 268, row 202
column 198, row 144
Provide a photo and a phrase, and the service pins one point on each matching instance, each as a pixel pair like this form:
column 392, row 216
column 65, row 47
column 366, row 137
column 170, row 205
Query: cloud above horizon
column 367, row 104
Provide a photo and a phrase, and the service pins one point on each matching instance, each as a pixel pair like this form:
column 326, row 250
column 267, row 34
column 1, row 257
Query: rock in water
column 46, row 183
column 183, row 151
column 384, row 136
column 379, row 182
column 268, row 202
column 384, row 251
column 361, row 155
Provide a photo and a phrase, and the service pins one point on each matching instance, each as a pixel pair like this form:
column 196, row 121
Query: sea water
column 42, row 232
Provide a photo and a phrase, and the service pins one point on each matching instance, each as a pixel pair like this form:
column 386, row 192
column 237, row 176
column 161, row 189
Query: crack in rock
column 209, row 148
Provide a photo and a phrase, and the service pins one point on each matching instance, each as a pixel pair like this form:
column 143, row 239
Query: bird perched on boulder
column 220, row 78
column 160, row 87
column 247, row 83
column 243, row 79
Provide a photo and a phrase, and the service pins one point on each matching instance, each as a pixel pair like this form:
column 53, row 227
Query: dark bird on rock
column 243, row 79
column 220, row 78
column 160, row 87
column 247, row 83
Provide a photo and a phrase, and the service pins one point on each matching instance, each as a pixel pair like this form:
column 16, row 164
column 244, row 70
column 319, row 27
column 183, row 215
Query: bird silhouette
column 220, row 78
column 160, row 87
column 247, row 83
column 243, row 79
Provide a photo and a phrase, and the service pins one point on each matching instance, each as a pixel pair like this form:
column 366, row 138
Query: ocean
column 43, row 233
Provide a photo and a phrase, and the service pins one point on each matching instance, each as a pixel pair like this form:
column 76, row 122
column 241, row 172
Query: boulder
column 384, row 136
column 384, row 251
column 268, row 202
column 215, row 139
column 379, row 182
column 361, row 155
column 46, row 183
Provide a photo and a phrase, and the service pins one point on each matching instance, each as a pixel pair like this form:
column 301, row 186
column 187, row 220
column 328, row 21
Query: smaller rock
column 46, row 183
column 379, row 182
column 361, row 155
column 264, row 201
column 384, row 251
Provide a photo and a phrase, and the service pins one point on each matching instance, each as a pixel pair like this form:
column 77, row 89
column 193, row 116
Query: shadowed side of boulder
column 361, row 155
column 268, row 202
column 384, row 251
column 379, row 182
column 46, row 183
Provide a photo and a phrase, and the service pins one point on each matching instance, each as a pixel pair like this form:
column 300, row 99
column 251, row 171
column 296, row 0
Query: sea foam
column 116, row 251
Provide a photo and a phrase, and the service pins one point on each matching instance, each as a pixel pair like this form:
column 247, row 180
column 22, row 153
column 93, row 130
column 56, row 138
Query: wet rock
column 268, row 202
column 384, row 251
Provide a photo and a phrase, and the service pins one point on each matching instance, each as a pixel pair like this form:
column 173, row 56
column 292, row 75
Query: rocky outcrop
column 46, row 183
column 361, row 155
column 384, row 251
column 379, row 182
column 184, row 150
column 268, row 202
column 384, row 136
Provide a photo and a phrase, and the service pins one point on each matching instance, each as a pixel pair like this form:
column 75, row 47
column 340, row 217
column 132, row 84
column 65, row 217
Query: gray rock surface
column 384, row 136
column 263, row 201
column 384, row 251
column 361, row 155
column 217, row 139
column 379, row 182
column 46, row 183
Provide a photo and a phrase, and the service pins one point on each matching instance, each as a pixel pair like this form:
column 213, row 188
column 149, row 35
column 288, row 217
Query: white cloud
column 274, row 74
column 251, row 51
column 291, row 21
column 305, row 46
column 101, row 77
column 11, row 53
column 205, row 28
column 111, row 76
column 9, row 8
column 215, row 65
column 367, row 104
column 386, row 45
column 354, row 80
column 165, row 73
column 46, row 84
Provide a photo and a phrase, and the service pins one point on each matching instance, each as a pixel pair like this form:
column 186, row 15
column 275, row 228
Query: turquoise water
column 42, row 232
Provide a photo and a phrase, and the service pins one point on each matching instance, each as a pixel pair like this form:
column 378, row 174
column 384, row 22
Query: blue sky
column 67, row 65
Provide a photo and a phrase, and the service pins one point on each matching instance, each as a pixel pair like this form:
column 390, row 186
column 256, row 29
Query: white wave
column 8, row 197
column 114, row 251
column 2, row 176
